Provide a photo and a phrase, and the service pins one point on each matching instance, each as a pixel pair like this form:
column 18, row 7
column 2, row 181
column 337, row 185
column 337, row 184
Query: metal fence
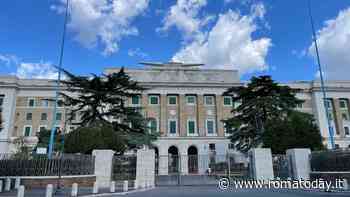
column 330, row 161
column 124, row 167
column 280, row 166
column 40, row 165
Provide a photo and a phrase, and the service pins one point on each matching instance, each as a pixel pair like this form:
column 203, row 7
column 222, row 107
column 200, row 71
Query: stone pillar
column 338, row 118
column 163, row 115
column 7, row 184
column 200, row 115
column 183, row 159
column 163, row 160
column 182, row 116
column 203, row 159
column 20, row 191
column 261, row 164
column 145, row 166
column 299, row 163
column 49, row 190
column 74, row 189
column 103, row 166
column 219, row 116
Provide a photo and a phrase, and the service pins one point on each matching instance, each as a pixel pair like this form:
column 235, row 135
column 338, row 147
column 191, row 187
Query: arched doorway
column 156, row 169
column 192, row 153
column 173, row 160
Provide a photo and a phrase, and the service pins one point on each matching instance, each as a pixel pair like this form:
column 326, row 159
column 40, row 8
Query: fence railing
column 40, row 165
column 124, row 167
column 330, row 161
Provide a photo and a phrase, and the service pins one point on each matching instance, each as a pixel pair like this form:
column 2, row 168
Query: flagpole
column 53, row 129
column 330, row 129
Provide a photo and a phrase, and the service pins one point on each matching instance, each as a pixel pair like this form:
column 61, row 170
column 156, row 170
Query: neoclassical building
column 184, row 103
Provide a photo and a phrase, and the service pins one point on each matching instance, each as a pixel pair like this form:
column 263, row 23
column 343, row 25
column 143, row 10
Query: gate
column 280, row 166
column 198, row 169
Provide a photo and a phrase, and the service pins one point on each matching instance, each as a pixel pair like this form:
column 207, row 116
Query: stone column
column 338, row 119
column 145, row 166
column 200, row 115
column 183, row 159
column 182, row 116
column 163, row 115
column 103, row 166
column 261, row 164
column 219, row 116
column 299, row 163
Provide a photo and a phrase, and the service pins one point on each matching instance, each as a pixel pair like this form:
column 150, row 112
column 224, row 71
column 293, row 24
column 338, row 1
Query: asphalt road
column 213, row 191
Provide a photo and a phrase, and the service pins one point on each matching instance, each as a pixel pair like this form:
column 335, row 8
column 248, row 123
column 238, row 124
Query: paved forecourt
column 213, row 191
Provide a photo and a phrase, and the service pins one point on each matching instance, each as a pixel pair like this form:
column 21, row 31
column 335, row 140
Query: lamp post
column 330, row 129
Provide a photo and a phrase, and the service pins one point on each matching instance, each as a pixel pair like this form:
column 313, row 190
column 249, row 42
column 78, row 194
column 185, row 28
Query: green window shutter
column 191, row 127
column 154, row 100
column 135, row 100
column 227, row 100
column 172, row 127
column 27, row 131
column 210, row 127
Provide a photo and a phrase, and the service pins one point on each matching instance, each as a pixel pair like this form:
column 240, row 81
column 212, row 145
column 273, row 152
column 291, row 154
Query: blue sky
column 255, row 37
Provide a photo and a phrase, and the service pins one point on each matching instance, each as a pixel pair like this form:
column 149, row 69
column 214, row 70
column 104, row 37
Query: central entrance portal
column 192, row 160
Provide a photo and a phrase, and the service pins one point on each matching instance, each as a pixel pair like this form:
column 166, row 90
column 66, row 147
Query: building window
column 154, row 100
column 44, row 103
column 345, row 116
column 227, row 101
column 31, row 102
column 27, row 131
column 299, row 105
column 29, row 116
column 191, row 127
column 43, row 116
column 209, row 100
column 343, row 104
column 172, row 127
column 2, row 97
column 41, row 128
column 136, row 100
column 210, row 126
column 329, row 104
column 59, row 116
column 231, row 146
column 190, row 100
column 346, row 130
column 212, row 147
column 172, row 100
column 153, row 125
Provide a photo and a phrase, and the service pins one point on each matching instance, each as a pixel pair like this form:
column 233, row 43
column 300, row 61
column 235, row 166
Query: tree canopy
column 101, row 102
column 297, row 130
column 262, row 101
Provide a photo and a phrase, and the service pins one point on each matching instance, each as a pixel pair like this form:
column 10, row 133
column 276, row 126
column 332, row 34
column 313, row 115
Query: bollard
column 49, row 190
column 1, row 185
column 346, row 184
column 74, row 189
column 17, row 183
column 112, row 187
column 20, row 191
column 136, row 185
column 125, row 186
column 7, row 184
column 95, row 188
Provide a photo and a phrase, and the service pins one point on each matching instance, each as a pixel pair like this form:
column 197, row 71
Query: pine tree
column 101, row 101
column 262, row 100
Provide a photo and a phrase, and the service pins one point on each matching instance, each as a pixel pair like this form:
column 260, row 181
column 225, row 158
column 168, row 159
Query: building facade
column 183, row 102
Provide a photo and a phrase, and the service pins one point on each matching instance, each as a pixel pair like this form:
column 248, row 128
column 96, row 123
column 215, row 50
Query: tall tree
column 297, row 130
column 262, row 100
column 101, row 101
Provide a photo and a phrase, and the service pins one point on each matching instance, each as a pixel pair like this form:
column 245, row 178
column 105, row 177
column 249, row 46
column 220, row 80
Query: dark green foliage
column 100, row 102
column 85, row 139
column 297, row 130
column 262, row 100
column 44, row 140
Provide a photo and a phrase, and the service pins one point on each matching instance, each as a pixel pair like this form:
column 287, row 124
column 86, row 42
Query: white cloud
column 334, row 46
column 103, row 22
column 8, row 59
column 229, row 44
column 137, row 53
column 184, row 16
column 42, row 70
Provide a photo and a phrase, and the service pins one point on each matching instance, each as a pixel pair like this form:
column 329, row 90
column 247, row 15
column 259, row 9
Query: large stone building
column 184, row 102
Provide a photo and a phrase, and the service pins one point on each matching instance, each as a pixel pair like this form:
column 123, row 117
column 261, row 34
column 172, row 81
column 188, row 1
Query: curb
column 118, row 193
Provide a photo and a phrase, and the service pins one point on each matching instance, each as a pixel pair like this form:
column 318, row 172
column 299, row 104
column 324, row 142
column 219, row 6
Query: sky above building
column 255, row 37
